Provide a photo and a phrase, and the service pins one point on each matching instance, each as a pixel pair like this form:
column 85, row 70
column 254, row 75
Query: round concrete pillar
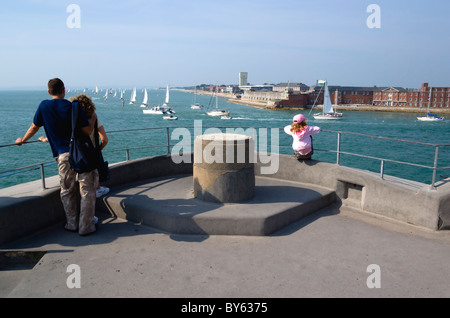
column 224, row 168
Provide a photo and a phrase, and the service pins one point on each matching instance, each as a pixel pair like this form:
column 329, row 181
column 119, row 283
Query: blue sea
column 128, row 127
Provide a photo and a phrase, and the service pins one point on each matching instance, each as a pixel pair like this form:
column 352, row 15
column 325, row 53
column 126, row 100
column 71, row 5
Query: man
column 55, row 116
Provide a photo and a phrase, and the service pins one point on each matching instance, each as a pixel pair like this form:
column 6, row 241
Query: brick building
column 344, row 95
column 384, row 96
column 440, row 97
column 391, row 96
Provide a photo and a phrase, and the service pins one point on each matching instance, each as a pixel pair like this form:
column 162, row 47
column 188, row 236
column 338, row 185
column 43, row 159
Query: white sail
column 133, row 96
column 96, row 90
column 145, row 101
column 327, row 112
column 166, row 102
column 327, row 106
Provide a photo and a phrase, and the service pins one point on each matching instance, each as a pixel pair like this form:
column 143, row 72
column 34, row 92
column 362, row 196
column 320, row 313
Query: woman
column 89, row 108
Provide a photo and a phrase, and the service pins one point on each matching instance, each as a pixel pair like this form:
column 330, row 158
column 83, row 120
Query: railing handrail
column 168, row 145
column 221, row 127
column 388, row 138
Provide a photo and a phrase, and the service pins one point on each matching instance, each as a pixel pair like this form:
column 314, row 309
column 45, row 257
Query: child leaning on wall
column 301, row 135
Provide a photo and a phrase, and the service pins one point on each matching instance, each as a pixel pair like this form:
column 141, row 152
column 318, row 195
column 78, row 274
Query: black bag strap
column 74, row 117
column 97, row 143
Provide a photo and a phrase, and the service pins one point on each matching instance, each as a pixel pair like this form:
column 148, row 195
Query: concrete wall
column 26, row 209
column 400, row 199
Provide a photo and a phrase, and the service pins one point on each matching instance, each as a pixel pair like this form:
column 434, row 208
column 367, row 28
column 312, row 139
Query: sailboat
column 133, row 97
column 328, row 113
column 166, row 101
column 218, row 112
column 145, row 101
column 166, row 106
column 430, row 117
column 156, row 110
column 121, row 98
column 195, row 105
column 96, row 90
column 106, row 95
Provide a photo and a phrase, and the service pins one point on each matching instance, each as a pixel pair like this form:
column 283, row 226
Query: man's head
column 56, row 87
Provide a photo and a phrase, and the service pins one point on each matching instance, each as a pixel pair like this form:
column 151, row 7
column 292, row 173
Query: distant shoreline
column 364, row 108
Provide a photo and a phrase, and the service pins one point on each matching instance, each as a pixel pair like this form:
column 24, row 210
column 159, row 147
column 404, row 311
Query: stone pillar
column 224, row 168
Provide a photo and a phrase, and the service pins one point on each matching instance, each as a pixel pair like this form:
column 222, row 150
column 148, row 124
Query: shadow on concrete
column 168, row 204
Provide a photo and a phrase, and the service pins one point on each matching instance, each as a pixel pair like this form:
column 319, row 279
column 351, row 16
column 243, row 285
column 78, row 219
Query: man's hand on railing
column 43, row 139
column 19, row 141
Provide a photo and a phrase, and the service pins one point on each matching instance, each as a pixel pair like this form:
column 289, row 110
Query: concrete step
column 168, row 204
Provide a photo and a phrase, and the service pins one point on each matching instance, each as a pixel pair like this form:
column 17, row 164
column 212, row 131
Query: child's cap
column 299, row 118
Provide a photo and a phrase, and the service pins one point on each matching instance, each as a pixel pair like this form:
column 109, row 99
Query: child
column 89, row 108
column 302, row 139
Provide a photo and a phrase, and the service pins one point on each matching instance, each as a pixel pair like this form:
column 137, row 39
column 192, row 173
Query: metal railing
column 339, row 152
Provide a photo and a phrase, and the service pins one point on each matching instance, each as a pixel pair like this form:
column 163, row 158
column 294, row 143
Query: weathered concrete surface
column 224, row 168
column 168, row 204
column 26, row 209
column 323, row 255
column 404, row 200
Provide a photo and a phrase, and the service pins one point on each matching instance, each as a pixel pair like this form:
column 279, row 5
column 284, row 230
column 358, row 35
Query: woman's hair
column 296, row 127
column 85, row 103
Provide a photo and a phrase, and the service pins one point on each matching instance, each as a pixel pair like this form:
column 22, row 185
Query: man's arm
column 29, row 134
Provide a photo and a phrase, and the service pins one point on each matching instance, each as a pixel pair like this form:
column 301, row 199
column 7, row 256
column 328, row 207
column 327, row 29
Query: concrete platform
column 168, row 204
column 325, row 254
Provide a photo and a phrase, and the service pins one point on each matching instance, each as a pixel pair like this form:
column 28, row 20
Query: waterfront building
column 300, row 95
column 351, row 95
column 291, row 87
column 243, row 79
column 440, row 97
column 344, row 95
column 391, row 96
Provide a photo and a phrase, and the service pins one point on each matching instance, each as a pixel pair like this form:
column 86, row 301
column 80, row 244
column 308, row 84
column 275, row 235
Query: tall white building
column 243, row 77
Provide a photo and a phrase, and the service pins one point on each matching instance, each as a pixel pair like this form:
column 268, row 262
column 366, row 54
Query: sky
column 154, row 43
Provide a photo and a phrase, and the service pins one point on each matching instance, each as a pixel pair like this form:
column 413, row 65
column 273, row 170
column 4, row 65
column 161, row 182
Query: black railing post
column 168, row 140
column 433, row 180
column 43, row 176
column 338, row 148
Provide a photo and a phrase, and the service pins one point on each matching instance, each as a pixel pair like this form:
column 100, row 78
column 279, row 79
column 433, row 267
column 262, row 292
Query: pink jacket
column 302, row 139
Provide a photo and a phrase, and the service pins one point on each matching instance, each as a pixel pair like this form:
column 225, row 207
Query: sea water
column 128, row 127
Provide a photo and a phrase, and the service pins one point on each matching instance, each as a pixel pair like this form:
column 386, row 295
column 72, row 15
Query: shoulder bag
column 83, row 156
